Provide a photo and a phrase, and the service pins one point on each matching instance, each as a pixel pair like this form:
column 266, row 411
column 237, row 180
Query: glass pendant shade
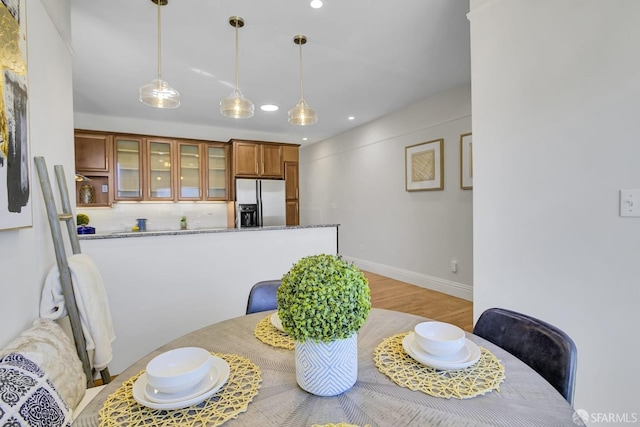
column 236, row 106
column 302, row 114
column 159, row 94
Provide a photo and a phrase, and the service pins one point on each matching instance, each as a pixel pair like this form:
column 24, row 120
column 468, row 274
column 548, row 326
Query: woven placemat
column 233, row 398
column 269, row 334
column 338, row 425
column 479, row 378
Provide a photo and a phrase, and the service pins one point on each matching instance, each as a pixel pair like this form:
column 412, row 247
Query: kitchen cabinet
column 128, row 165
column 216, row 170
column 189, row 183
column 292, row 192
column 160, row 170
column 92, row 161
column 257, row 159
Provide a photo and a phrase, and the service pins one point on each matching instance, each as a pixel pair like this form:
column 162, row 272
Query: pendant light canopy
column 236, row 106
column 302, row 114
column 158, row 93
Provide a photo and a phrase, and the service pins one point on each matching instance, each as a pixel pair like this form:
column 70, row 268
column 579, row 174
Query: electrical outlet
column 454, row 266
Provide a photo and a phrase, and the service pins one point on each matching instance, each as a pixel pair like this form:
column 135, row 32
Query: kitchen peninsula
column 162, row 284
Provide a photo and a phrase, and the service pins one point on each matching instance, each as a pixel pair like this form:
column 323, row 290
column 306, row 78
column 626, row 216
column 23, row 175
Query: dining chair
column 545, row 348
column 262, row 296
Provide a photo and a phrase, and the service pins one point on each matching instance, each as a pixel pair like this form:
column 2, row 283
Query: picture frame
column 466, row 161
column 15, row 166
column 424, row 166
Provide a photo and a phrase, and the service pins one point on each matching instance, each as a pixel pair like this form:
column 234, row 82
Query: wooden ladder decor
column 61, row 258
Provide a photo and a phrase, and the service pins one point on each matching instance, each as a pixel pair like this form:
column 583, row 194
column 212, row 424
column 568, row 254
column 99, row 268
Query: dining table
column 392, row 389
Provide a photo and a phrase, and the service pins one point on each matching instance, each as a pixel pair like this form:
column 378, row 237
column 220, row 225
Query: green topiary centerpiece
column 323, row 298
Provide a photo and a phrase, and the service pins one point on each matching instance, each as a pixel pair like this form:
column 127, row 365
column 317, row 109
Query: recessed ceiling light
column 305, row 139
column 316, row 4
column 269, row 107
column 351, row 118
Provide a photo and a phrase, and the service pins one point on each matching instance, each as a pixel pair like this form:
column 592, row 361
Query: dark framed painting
column 15, row 171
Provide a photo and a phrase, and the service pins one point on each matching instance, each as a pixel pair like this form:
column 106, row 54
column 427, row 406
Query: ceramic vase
column 327, row 368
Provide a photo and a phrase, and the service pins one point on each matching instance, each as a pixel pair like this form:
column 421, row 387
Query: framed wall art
column 424, row 166
column 466, row 161
column 15, row 171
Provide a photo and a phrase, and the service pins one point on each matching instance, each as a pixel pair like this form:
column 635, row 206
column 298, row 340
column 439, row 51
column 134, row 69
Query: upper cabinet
column 161, row 169
column 128, row 165
column 257, row 159
column 216, row 170
column 93, row 163
column 92, row 151
column 148, row 168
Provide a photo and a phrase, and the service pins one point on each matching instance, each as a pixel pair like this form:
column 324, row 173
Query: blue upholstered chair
column 545, row 348
column 262, row 296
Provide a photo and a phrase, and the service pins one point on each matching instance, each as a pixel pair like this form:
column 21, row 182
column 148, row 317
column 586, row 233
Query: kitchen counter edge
column 120, row 235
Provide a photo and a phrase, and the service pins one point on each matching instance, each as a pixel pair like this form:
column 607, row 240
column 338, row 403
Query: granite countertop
column 126, row 234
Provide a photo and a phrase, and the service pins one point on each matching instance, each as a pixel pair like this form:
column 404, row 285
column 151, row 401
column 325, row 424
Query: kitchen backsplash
column 160, row 216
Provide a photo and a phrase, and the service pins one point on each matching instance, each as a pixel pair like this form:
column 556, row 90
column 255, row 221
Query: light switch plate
column 630, row 203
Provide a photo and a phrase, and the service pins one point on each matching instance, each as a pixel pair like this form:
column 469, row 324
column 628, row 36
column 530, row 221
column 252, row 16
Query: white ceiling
column 364, row 58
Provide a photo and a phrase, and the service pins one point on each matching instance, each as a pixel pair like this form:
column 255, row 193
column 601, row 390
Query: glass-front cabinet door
column 190, row 175
column 217, row 172
column 160, row 170
column 128, row 168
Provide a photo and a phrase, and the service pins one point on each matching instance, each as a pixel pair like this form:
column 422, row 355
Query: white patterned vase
column 327, row 368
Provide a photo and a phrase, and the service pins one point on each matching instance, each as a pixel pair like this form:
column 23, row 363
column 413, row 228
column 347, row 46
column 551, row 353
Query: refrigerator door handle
column 259, row 201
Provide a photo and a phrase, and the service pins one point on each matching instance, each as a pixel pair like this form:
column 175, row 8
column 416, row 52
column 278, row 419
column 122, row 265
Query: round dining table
column 523, row 398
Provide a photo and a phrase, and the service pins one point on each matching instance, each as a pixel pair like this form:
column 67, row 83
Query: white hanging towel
column 92, row 303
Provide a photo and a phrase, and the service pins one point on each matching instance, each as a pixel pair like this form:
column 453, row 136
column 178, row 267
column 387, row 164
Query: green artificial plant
column 82, row 219
column 323, row 298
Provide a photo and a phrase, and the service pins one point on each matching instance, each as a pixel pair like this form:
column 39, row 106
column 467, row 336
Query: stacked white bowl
column 177, row 370
column 438, row 338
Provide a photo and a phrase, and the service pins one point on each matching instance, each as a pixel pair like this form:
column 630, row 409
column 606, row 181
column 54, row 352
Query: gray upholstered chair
column 545, row 348
column 262, row 296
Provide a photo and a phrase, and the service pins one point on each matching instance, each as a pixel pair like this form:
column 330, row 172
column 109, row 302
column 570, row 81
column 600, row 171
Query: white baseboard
column 448, row 287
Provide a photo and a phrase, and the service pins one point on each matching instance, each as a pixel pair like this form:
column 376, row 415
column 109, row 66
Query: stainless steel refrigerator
column 268, row 197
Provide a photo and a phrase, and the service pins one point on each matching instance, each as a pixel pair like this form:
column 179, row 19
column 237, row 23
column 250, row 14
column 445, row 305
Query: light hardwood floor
column 400, row 296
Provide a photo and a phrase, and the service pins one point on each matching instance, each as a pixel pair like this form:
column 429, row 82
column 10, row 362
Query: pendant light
column 302, row 114
column 236, row 106
column 158, row 93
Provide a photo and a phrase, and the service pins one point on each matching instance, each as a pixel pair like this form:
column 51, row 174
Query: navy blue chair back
column 262, row 296
column 545, row 348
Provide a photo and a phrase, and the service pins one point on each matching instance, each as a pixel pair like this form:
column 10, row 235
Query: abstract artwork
column 15, row 175
column 424, row 166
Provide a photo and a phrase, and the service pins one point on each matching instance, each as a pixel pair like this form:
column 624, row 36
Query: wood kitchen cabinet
column 292, row 192
column 216, row 169
column 160, row 169
column 189, row 176
column 92, row 161
column 128, row 168
column 292, row 184
column 257, row 159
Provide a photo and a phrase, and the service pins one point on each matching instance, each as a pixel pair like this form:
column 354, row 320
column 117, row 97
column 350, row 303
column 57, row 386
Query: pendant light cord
column 301, row 78
column 159, row 44
column 237, row 84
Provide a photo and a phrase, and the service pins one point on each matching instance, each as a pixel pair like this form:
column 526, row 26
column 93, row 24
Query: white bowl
column 439, row 338
column 177, row 370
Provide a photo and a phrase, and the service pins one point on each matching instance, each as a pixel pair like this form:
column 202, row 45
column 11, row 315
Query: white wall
column 556, row 103
column 26, row 254
column 356, row 179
